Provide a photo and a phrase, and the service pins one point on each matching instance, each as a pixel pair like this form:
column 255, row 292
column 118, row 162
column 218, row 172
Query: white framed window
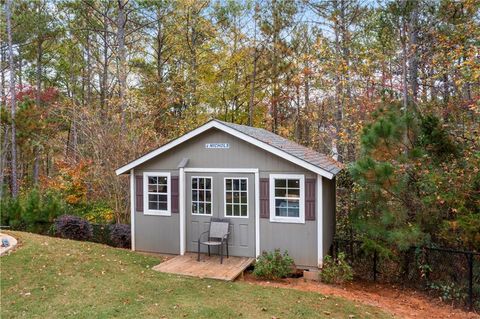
column 202, row 195
column 156, row 190
column 236, row 197
column 287, row 198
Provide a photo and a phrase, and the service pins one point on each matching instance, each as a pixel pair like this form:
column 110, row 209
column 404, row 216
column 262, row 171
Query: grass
column 48, row 277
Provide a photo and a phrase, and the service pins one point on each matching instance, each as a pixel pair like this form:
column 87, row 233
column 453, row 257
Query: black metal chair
column 217, row 236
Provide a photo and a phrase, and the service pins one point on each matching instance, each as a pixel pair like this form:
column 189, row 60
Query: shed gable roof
column 273, row 143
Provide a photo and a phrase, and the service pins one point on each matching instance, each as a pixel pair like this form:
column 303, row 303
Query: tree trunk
column 275, row 80
column 104, row 76
column 89, row 70
column 121, row 56
column 403, row 41
column 36, row 149
column 413, row 54
column 4, row 128
column 338, row 100
column 14, row 181
column 254, row 71
column 306, row 132
column 160, row 44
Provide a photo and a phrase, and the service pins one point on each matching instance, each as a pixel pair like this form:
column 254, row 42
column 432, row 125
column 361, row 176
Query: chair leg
column 198, row 255
column 221, row 254
column 208, row 251
column 227, row 249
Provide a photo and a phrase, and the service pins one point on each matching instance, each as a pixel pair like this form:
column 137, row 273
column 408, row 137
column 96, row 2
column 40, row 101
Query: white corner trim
column 257, row 214
column 231, row 131
column 146, row 210
column 132, row 208
column 320, row 220
column 280, row 219
column 181, row 208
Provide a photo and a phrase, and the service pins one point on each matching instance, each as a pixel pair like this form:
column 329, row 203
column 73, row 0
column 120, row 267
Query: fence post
column 470, row 281
column 375, row 257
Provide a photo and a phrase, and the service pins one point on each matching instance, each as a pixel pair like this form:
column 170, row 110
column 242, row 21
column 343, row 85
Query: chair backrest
column 218, row 227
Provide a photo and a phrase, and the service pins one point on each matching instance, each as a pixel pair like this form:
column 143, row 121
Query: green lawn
column 54, row 278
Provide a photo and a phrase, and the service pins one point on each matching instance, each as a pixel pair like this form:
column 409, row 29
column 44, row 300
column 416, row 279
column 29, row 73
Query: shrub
column 73, row 227
column 101, row 234
column 336, row 271
column 31, row 210
column 40, row 210
column 273, row 265
column 11, row 212
column 120, row 235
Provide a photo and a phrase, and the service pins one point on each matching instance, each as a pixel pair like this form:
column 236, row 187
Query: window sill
column 157, row 213
column 244, row 217
column 209, row 215
column 287, row 220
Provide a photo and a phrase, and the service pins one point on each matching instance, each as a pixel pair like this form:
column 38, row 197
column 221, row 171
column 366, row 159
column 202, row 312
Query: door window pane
column 202, row 195
column 236, row 197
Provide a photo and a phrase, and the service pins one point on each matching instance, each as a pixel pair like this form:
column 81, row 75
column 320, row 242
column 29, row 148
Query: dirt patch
column 400, row 302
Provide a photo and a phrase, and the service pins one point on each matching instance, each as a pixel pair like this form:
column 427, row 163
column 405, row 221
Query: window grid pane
column 202, row 195
column 157, row 191
column 287, row 197
column 236, row 197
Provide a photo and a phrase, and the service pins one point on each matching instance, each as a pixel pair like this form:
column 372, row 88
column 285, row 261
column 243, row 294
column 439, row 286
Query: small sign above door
column 217, row 145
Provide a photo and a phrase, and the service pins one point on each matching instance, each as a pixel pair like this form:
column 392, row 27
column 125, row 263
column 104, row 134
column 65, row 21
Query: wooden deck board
column 207, row 267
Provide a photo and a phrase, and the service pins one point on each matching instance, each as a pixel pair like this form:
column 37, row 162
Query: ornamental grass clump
column 273, row 265
column 73, row 227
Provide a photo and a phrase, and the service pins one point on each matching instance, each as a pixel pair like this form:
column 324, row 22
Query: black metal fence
column 453, row 275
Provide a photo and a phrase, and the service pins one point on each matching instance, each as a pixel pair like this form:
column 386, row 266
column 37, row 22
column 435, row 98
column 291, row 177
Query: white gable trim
column 231, row 131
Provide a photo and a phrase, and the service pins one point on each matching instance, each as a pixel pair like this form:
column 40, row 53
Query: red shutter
column 139, row 193
column 264, row 198
column 174, row 193
column 310, row 199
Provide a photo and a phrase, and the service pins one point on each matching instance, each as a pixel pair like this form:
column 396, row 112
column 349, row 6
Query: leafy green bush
column 40, row 210
column 273, row 265
column 11, row 212
column 336, row 271
column 32, row 210
column 448, row 291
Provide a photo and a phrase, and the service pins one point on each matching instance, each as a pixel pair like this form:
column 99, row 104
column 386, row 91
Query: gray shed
column 276, row 193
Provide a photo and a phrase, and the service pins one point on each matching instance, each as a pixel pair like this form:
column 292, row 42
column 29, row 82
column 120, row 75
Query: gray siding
column 240, row 155
column 329, row 206
column 299, row 239
column 157, row 233
column 161, row 233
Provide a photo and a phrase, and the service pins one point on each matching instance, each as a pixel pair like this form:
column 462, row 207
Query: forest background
column 389, row 88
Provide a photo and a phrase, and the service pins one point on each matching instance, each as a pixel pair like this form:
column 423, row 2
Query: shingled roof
column 291, row 151
column 304, row 153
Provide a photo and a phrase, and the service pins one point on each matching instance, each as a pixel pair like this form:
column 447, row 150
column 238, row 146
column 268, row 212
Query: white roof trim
column 231, row 131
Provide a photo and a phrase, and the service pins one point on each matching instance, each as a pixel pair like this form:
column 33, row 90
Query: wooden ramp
column 207, row 267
